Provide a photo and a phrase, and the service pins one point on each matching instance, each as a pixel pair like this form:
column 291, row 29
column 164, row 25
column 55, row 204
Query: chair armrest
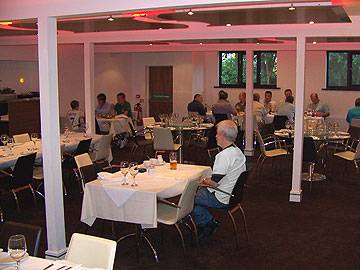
column 168, row 203
column 6, row 173
column 218, row 189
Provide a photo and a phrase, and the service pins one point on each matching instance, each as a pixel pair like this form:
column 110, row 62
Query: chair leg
column 195, row 231
column 257, row 165
column 16, row 200
column 235, row 229
column 34, row 196
column 356, row 166
column 244, row 222
column 261, row 166
column 181, row 236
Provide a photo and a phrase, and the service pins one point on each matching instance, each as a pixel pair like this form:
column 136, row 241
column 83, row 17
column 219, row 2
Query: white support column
column 296, row 192
column 89, row 77
column 50, row 130
column 249, row 123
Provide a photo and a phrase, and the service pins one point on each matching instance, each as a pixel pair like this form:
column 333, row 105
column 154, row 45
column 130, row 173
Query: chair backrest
column 260, row 141
column 32, row 235
column 23, row 171
column 148, row 121
column 88, row 173
column 91, row 251
column 267, row 129
column 279, row 121
column 102, row 148
column 357, row 152
column 309, row 150
column 83, row 147
column 354, row 132
column 21, row 138
column 83, row 160
column 238, row 189
column 186, row 201
column 220, row 117
column 163, row 139
column 355, row 122
column 212, row 153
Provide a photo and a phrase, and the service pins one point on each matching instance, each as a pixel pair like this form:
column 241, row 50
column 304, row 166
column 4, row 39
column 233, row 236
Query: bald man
column 320, row 108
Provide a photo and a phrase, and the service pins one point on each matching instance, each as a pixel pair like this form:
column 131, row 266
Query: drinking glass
column 133, row 171
column 11, row 145
column 4, row 139
column 17, row 248
column 34, row 137
column 173, row 160
column 124, row 167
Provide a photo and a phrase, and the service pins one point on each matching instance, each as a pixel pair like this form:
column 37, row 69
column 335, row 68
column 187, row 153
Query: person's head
column 289, row 99
column 357, row 102
column 101, row 98
column 223, row 95
column 314, row 98
column 120, row 98
column 256, row 97
column 242, row 96
column 288, row 93
column 226, row 133
column 268, row 96
column 74, row 105
column 199, row 98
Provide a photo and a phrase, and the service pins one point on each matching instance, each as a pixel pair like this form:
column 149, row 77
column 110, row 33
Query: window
column 232, row 69
column 343, row 70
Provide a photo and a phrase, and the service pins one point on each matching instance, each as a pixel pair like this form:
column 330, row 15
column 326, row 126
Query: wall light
column 190, row 12
column 228, row 24
column 21, row 80
column 110, row 18
column 311, row 22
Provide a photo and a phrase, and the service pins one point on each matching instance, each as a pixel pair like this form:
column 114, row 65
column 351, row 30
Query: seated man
column 223, row 106
column 103, row 107
column 269, row 104
column 241, row 105
column 228, row 166
column 354, row 113
column 122, row 106
column 287, row 108
column 196, row 106
column 76, row 117
column 258, row 109
column 320, row 108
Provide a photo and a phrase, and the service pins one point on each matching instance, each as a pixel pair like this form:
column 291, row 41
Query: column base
column 249, row 152
column 295, row 196
column 55, row 254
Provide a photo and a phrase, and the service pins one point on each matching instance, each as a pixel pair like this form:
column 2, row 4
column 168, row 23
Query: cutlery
column 68, row 268
column 61, row 267
column 47, row 267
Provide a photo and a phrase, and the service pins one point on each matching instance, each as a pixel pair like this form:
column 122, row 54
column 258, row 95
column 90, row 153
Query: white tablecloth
column 117, row 125
column 8, row 159
column 34, row 263
column 108, row 199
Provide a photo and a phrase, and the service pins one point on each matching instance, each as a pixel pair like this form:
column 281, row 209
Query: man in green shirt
column 122, row 106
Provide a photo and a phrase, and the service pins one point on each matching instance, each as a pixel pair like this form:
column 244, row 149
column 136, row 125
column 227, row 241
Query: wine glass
column 17, row 248
column 11, row 145
column 124, row 168
column 133, row 171
column 34, row 137
column 4, row 139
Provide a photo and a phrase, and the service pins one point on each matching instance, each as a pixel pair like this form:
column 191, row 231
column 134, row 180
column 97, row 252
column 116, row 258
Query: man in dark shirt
column 196, row 105
column 122, row 106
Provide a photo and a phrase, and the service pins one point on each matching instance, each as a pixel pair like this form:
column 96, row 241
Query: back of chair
column 83, row 160
column 163, row 139
column 355, row 122
column 260, row 141
column 88, row 173
column 32, row 235
column 186, row 201
column 212, row 153
column 238, row 189
column 267, row 129
column 354, row 132
column 23, row 171
column 309, row 150
column 91, row 251
column 103, row 148
column 21, row 138
column 220, row 117
column 83, row 147
column 357, row 152
column 279, row 121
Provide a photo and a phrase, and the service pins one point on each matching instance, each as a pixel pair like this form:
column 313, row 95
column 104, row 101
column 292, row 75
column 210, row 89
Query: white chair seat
column 348, row 155
column 38, row 173
column 166, row 214
column 176, row 146
column 275, row 152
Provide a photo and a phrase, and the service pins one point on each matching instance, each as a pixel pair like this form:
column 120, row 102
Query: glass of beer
column 173, row 160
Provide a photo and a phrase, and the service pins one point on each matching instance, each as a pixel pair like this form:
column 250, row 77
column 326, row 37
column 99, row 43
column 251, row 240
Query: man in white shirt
column 287, row 108
column 269, row 104
column 228, row 166
column 259, row 109
column 76, row 117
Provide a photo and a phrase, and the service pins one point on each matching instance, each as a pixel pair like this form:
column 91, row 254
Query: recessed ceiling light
column 110, row 19
column 228, row 24
column 150, row 44
column 311, row 22
column 314, row 42
column 201, row 43
column 292, row 8
column 160, row 28
column 190, row 12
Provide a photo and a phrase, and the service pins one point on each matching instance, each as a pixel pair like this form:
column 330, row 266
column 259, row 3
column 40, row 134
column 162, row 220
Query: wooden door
column 160, row 90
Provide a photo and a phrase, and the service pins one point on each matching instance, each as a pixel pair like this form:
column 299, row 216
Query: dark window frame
column 241, row 83
column 350, row 86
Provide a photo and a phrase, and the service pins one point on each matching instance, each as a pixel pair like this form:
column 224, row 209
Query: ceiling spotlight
column 314, row 42
column 110, row 19
column 190, row 12
column 150, row 44
column 201, row 43
column 160, row 28
column 292, row 8
column 311, row 22
column 257, row 43
column 228, row 24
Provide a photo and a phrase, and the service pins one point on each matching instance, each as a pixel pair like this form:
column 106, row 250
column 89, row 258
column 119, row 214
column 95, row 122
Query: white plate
column 5, row 258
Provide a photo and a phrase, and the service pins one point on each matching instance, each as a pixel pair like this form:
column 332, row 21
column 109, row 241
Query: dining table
column 114, row 125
